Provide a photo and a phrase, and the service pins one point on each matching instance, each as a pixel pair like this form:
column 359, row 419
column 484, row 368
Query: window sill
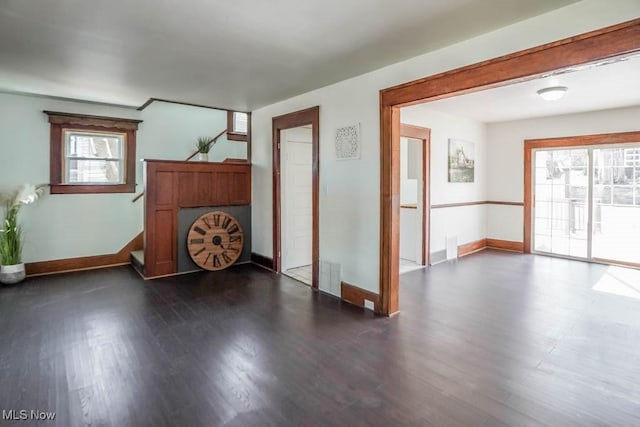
column 91, row 189
column 236, row 136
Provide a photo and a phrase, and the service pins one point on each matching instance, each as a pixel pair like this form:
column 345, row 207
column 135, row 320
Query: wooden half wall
column 172, row 185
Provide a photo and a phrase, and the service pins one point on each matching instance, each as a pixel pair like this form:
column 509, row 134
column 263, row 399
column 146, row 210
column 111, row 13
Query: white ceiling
column 231, row 54
column 613, row 85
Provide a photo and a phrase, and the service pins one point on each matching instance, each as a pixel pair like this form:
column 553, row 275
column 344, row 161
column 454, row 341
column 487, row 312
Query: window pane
column 89, row 145
column 623, row 195
column 543, row 208
column 82, row 147
column 616, row 231
column 602, row 194
column 632, row 157
column 543, row 193
column 561, row 189
column 240, row 122
column 93, row 172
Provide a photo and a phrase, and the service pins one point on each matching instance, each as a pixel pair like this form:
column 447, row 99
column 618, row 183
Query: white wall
column 409, row 233
column 468, row 223
column 410, row 219
column 350, row 199
column 410, row 163
column 75, row 225
column 505, row 153
column 170, row 132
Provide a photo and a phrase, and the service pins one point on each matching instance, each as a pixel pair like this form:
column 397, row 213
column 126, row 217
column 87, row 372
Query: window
column 91, row 154
column 239, row 122
column 237, row 126
column 93, row 158
column 632, row 157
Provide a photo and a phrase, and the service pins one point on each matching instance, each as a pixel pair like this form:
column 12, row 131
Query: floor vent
column 330, row 277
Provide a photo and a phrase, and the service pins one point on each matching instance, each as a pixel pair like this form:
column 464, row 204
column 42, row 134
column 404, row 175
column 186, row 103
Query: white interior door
column 297, row 226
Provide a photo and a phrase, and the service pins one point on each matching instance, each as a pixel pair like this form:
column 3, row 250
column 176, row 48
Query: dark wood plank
column 494, row 339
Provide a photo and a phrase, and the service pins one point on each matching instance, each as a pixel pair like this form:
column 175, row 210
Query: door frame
column 423, row 134
column 309, row 116
column 595, row 46
column 581, row 141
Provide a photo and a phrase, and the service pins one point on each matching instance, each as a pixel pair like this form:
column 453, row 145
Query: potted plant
column 11, row 265
column 204, row 145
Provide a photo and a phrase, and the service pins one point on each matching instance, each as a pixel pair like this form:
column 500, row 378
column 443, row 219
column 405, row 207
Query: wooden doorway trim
column 310, row 116
column 424, row 135
column 607, row 43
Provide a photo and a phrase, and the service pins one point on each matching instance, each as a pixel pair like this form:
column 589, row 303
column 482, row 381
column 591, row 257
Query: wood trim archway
column 424, row 135
column 610, row 42
column 310, row 116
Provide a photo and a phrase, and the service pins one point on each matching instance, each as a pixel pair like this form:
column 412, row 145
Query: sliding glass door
column 561, row 200
column 586, row 202
column 616, row 204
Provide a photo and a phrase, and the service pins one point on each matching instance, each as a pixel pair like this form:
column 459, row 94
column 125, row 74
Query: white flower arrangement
column 11, row 231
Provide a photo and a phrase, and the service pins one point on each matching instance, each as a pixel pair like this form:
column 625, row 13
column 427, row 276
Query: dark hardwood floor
column 494, row 339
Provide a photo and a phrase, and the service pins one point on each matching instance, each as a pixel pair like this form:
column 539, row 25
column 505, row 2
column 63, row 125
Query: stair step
column 137, row 261
column 138, row 256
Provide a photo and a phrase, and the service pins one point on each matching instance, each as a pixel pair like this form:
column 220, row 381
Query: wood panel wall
column 172, row 185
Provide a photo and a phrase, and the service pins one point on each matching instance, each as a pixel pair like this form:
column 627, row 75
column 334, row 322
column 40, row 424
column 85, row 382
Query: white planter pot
column 10, row 274
column 202, row 157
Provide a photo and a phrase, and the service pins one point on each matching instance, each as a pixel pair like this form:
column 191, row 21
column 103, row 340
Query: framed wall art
column 461, row 160
column 348, row 143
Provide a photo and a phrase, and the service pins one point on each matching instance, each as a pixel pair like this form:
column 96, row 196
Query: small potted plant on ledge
column 11, row 265
column 204, row 146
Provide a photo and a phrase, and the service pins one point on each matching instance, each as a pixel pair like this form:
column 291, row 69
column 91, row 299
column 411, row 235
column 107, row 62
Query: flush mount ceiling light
column 552, row 93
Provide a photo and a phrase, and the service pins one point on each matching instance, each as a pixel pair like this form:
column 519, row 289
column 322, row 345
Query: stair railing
column 209, row 144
